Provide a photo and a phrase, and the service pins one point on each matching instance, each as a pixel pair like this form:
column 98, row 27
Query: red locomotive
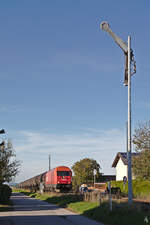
column 59, row 178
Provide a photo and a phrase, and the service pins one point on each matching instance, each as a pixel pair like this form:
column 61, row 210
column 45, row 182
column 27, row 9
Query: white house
column 121, row 165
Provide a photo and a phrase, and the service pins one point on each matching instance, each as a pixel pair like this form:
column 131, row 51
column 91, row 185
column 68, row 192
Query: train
column 59, row 178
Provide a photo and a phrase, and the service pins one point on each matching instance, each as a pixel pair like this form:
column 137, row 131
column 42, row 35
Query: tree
column 141, row 165
column 9, row 166
column 84, row 171
column 141, row 140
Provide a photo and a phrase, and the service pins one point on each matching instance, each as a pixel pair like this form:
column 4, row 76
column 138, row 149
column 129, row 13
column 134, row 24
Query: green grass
column 82, row 207
column 25, row 192
column 62, row 201
column 122, row 213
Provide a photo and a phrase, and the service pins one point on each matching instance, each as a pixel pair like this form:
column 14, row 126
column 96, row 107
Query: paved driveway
column 30, row 211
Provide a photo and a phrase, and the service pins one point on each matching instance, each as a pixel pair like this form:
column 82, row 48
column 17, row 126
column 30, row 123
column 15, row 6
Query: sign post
column 94, row 176
column 124, row 182
column 110, row 197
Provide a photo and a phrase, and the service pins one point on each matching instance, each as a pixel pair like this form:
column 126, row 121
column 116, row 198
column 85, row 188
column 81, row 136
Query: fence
column 97, row 196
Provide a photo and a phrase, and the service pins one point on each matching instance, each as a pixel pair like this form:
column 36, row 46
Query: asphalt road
column 30, row 211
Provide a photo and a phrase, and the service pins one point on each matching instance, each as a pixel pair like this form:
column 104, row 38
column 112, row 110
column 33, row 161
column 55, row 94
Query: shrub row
column 5, row 193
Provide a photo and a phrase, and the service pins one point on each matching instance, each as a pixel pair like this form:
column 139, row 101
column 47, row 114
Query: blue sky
column 61, row 77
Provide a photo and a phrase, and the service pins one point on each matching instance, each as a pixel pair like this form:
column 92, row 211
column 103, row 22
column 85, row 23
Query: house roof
column 123, row 156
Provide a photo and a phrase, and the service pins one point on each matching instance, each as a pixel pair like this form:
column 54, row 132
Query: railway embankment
column 122, row 213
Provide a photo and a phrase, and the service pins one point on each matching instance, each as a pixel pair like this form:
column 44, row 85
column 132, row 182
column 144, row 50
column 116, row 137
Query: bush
column 5, row 193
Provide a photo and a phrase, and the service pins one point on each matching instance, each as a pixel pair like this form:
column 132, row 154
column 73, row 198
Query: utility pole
column 129, row 57
column 127, row 144
column 49, row 161
column 129, row 124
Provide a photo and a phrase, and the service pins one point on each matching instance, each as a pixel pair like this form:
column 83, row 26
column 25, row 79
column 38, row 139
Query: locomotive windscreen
column 63, row 173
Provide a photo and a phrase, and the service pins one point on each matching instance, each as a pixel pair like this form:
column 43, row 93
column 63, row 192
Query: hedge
column 5, row 193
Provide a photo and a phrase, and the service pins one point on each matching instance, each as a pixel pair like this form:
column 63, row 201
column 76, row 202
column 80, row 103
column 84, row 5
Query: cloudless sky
column 61, row 78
